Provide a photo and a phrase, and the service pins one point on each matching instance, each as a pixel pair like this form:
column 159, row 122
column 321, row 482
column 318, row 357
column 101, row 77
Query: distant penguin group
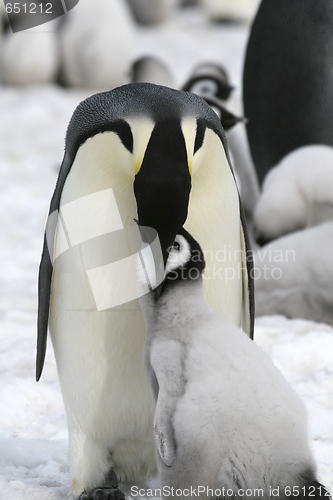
column 288, row 103
column 71, row 50
column 88, row 47
column 293, row 221
column 225, row 419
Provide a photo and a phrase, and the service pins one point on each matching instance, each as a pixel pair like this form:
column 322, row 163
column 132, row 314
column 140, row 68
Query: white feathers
column 225, row 416
column 30, row 56
column 95, row 44
column 214, row 203
column 99, row 353
column 179, row 254
column 146, row 271
column 297, row 193
column 148, row 275
column 294, row 275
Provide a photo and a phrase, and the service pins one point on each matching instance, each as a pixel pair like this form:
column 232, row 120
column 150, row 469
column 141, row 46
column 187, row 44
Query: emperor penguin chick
column 225, row 418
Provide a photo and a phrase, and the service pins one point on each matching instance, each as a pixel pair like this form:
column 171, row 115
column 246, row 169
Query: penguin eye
column 176, row 246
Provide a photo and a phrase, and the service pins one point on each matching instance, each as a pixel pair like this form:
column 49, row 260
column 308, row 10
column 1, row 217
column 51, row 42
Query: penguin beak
column 228, row 89
column 162, row 185
column 227, row 118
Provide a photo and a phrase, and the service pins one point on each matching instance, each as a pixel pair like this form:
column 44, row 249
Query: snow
column 33, row 433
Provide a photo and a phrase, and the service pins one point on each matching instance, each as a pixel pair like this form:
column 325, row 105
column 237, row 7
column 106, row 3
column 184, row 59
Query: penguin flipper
column 44, row 291
column 46, row 268
column 163, row 432
column 167, row 359
column 247, row 279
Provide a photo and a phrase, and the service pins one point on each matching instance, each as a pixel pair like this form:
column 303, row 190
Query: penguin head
column 211, row 82
column 186, row 259
column 209, row 79
column 156, row 138
column 185, row 264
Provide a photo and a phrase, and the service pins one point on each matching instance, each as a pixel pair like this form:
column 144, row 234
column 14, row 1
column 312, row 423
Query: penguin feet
column 107, row 493
column 109, row 490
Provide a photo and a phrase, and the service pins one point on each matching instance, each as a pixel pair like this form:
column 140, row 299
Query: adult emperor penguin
column 138, row 151
column 218, row 431
column 288, row 79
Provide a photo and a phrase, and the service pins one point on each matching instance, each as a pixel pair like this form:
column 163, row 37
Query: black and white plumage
column 211, row 82
column 209, row 79
column 139, row 151
column 225, row 417
column 288, row 81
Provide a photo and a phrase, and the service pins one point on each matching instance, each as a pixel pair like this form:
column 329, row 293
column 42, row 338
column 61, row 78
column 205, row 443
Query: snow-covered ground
column 33, row 434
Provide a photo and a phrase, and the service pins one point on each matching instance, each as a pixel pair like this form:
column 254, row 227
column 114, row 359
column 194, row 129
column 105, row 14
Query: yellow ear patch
column 189, row 128
column 141, row 129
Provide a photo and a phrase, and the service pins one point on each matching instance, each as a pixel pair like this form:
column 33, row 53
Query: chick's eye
column 176, row 246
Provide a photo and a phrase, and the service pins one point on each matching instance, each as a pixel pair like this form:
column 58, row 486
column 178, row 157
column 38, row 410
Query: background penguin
column 230, row 10
column 211, row 82
column 225, row 417
column 288, row 79
column 296, row 194
column 30, row 56
column 152, row 11
column 152, row 70
column 143, row 151
column 294, row 275
column 95, row 42
column 209, row 79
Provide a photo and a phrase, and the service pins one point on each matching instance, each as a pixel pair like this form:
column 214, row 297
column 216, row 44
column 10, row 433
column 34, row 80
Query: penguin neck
column 180, row 303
